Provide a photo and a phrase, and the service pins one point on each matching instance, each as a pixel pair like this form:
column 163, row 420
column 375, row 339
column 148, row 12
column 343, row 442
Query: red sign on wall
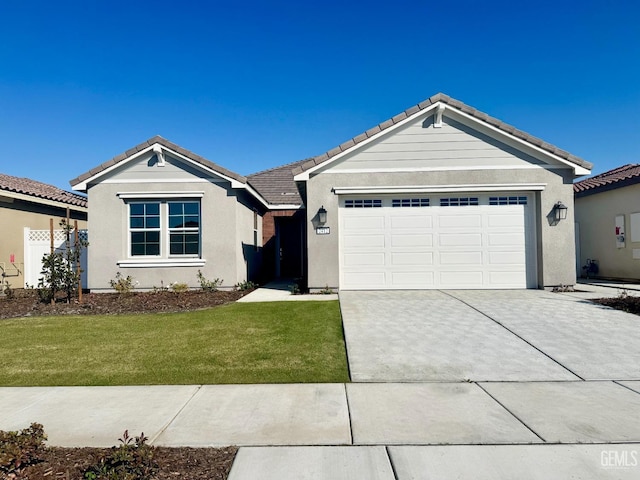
column 12, row 258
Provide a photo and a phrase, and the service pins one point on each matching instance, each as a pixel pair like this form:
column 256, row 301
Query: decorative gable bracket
column 437, row 119
column 157, row 149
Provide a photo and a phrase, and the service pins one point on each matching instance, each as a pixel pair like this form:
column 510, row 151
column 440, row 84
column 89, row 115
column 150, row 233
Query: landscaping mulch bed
column 174, row 463
column 26, row 303
column 622, row 302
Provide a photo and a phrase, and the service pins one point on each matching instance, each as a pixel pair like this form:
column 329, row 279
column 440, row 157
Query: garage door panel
column 460, row 240
column 505, row 239
column 412, row 222
column 365, row 279
column 460, row 220
column 413, row 258
column 412, row 280
column 363, row 240
column 463, row 278
column 461, row 258
column 507, row 279
column 360, row 222
column 405, row 240
column 507, row 258
column 362, row 259
column 517, row 219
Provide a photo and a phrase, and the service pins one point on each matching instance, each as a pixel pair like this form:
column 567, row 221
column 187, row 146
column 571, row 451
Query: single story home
column 439, row 196
column 608, row 224
column 26, row 210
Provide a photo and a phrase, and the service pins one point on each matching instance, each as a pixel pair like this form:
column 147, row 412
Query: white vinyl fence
column 37, row 243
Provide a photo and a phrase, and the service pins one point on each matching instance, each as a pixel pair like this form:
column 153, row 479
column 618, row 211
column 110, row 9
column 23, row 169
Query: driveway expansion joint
column 513, row 333
column 511, row 413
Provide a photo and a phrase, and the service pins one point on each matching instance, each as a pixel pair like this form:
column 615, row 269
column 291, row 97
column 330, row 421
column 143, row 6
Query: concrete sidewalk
column 359, row 430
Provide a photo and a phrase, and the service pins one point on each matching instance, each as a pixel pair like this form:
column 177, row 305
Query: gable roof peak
column 451, row 103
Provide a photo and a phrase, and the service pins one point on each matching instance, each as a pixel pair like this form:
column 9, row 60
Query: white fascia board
column 305, row 175
column 285, row 206
column 43, row 201
column 490, row 187
column 82, row 186
column 511, row 140
column 128, row 195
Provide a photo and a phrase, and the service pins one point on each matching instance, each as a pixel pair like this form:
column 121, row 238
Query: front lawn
column 278, row 342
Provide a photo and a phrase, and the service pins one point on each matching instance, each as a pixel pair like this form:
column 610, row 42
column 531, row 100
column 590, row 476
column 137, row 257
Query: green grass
column 282, row 342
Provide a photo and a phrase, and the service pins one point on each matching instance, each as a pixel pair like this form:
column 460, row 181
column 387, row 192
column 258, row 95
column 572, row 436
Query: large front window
column 164, row 229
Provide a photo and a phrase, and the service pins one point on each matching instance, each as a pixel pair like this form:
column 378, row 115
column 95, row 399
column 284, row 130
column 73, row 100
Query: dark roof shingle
column 441, row 97
column 618, row 177
column 36, row 189
column 276, row 185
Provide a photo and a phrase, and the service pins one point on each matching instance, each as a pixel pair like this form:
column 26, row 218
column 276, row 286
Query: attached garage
column 437, row 241
column 441, row 196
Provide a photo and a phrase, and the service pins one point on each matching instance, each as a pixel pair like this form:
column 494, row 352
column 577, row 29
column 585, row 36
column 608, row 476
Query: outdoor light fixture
column 322, row 215
column 559, row 211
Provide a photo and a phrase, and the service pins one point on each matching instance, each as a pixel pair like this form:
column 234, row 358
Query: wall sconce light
column 559, row 211
column 322, row 215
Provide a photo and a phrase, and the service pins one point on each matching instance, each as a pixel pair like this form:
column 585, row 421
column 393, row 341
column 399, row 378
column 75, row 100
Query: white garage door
column 436, row 241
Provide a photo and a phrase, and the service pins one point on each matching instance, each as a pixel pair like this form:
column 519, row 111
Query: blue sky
column 255, row 84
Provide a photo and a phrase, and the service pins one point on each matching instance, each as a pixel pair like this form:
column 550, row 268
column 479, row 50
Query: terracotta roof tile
column 36, row 189
column 618, row 177
column 451, row 102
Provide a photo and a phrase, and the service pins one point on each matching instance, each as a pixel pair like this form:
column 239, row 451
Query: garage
column 409, row 241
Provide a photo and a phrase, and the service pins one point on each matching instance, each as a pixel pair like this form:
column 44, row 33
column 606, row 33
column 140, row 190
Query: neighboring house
column 439, row 196
column 608, row 223
column 27, row 204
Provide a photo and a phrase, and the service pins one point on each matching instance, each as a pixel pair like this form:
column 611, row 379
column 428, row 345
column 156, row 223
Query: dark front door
column 290, row 241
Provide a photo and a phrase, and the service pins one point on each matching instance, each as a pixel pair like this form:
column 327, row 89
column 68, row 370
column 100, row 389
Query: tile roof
column 618, row 177
column 276, row 185
column 165, row 143
column 41, row 190
column 441, row 97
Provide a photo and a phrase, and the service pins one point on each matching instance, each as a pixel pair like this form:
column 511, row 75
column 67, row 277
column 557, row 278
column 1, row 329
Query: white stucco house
column 439, row 196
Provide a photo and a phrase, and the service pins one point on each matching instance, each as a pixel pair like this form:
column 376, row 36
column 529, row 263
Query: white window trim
column 165, row 258
column 158, row 195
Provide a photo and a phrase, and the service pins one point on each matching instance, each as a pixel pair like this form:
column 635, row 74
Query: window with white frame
column 164, row 228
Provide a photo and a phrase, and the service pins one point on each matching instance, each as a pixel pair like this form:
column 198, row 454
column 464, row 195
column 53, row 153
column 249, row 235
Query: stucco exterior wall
column 595, row 215
column 14, row 217
column 555, row 243
column 224, row 222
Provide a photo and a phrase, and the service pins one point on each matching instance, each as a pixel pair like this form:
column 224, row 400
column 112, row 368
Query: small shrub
column 131, row 460
column 294, row 288
column 161, row 288
column 327, row 290
column 208, row 285
column 123, row 284
column 246, row 285
column 20, row 449
column 179, row 287
column 8, row 291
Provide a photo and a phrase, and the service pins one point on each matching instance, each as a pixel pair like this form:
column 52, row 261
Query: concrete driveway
column 473, row 335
